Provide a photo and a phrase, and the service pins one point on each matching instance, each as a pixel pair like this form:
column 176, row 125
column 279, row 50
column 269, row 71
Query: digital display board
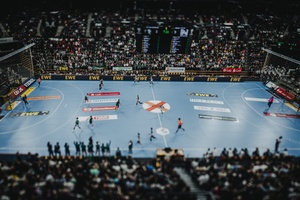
column 163, row 39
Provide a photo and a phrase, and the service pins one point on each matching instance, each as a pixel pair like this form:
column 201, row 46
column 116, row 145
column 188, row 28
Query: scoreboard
column 163, row 39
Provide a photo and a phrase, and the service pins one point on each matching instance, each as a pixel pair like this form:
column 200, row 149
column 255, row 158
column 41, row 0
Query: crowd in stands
column 8, row 77
column 85, row 42
column 82, row 40
column 76, row 178
column 231, row 174
column 245, row 175
column 227, row 174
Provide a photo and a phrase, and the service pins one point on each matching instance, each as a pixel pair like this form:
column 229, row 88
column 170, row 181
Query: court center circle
column 162, row 131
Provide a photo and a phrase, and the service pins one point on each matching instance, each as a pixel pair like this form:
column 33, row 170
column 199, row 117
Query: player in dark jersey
column 101, row 84
column 138, row 100
column 24, row 98
column 139, row 139
column 86, row 98
column 76, row 123
column 91, row 121
column 151, row 134
column 118, row 103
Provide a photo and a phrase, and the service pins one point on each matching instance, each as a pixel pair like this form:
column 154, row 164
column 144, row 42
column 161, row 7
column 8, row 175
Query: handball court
column 221, row 115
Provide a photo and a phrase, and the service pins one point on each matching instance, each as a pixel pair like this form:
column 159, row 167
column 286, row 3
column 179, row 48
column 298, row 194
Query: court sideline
column 220, row 115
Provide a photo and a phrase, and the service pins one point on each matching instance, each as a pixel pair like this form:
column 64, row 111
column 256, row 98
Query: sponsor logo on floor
column 97, row 118
column 43, row 98
column 206, row 101
column 102, row 101
column 202, row 116
column 211, row 109
column 28, row 114
column 104, row 94
column 282, row 115
column 156, row 106
column 201, row 94
column 260, row 99
column 99, row 108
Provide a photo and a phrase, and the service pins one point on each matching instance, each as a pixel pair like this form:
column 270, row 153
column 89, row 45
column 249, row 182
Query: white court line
column 271, row 121
column 54, row 130
column 215, row 109
column 260, row 99
column 16, row 104
column 41, row 121
column 5, row 115
column 57, row 128
column 158, row 115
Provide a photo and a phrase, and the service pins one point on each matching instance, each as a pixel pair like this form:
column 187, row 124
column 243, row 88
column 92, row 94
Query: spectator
column 118, row 153
column 67, row 149
column 130, row 146
column 57, row 151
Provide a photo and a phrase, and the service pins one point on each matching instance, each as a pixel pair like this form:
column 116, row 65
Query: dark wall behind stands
column 204, row 5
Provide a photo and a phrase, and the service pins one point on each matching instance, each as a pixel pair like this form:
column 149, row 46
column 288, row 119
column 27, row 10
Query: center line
column 160, row 123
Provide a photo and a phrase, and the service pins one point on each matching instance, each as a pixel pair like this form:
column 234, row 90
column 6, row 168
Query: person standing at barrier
column 103, row 150
column 57, row 151
column 50, row 149
column 118, row 153
column 270, row 101
column 179, row 126
column 67, row 149
column 83, row 149
column 98, row 147
column 77, row 148
column 277, row 143
column 130, row 146
column 90, row 149
column 107, row 148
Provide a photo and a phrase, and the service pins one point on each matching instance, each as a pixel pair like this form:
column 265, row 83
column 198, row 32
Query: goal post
column 282, row 70
column 16, row 68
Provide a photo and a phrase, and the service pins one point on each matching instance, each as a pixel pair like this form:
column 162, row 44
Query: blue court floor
column 221, row 115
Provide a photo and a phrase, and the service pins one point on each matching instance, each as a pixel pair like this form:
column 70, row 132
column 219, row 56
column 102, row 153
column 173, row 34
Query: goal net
column 16, row 67
column 284, row 72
